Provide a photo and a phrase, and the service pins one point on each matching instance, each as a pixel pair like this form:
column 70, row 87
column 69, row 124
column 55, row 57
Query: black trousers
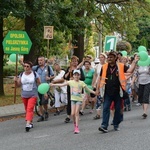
column 69, row 101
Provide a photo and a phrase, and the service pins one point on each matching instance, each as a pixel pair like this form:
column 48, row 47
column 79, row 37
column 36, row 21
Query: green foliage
column 9, row 70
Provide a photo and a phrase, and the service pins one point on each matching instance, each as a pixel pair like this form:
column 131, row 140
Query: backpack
column 34, row 72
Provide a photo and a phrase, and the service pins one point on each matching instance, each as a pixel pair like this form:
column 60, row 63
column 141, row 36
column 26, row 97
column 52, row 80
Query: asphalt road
column 54, row 134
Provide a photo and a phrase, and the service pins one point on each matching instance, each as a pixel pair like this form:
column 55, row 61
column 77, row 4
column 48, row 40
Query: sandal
column 96, row 117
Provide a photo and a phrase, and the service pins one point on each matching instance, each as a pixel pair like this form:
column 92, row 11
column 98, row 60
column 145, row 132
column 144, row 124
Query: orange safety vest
column 122, row 78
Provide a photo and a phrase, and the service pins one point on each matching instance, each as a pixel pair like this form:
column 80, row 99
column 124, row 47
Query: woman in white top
column 59, row 92
column 143, row 75
column 96, row 78
column 28, row 80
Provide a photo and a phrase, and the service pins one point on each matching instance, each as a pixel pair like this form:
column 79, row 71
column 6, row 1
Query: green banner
column 17, row 42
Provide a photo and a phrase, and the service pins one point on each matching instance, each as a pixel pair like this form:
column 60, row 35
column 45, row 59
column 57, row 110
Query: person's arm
column 58, row 81
column 133, row 80
column 17, row 81
column 128, row 75
column 67, row 74
column 133, row 65
column 82, row 78
column 95, row 76
column 60, row 85
column 21, row 63
column 90, row 91
column 38, row 81
column 81, row 64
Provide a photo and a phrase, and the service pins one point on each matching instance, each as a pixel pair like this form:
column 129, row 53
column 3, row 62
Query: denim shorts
column 99, row 102
column 73, row 102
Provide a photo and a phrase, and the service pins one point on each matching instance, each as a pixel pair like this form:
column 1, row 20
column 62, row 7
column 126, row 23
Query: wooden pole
column 16, row 74
column 48, row 47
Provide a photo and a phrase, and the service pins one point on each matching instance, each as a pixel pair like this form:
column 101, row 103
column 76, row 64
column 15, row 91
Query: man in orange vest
column 111, row 86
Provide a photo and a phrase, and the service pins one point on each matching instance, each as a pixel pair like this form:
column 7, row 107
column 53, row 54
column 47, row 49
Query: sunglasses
column 26, row 66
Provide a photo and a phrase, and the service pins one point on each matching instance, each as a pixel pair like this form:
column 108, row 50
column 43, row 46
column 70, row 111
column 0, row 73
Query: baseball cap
column 76, row 71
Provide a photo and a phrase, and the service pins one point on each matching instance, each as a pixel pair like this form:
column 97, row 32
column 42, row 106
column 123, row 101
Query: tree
column 6, row 6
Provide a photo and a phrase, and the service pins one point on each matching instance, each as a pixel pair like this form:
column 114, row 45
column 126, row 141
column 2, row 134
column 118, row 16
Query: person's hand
column 96, row 92
column 70, row 70
column 47, row 78
column 15, row 79
column 51, row 84
column 46, row 96
column 136, row 59
column 21, row 62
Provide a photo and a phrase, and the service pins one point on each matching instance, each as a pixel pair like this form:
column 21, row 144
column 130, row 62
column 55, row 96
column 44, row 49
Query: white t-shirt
column 60, row 75
column 29, row 86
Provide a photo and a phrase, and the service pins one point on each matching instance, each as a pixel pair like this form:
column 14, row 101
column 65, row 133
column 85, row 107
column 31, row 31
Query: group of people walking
column 104, row 82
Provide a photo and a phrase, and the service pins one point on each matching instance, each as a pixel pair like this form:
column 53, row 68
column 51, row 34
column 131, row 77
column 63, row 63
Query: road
column 54, row 134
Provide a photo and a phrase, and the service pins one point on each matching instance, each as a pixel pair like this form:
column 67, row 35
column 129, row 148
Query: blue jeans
column 127, row 101
column 106, row 110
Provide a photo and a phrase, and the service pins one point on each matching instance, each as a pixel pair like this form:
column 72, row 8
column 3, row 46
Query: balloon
column 43, row 88
column 12, row 57
column 143, row 55
column 124, row 53
column 144, row 63
column 142, row 48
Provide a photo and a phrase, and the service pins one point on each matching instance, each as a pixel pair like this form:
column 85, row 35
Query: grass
column 8, row 98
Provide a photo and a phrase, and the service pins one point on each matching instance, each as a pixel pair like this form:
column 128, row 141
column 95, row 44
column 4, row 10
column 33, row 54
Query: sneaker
column 104, row 130
column 91, row 111
column 129, row 108
column 81, row 113
column 31, row 125
column 41, row 118
column 144, row 116
column 138, row 104
column 116, row 128
column 76, row 131
column 67, row 120
column 96, row 117
column 57, row 113
column 27, row 128
column 46, row 115
column 125, row 108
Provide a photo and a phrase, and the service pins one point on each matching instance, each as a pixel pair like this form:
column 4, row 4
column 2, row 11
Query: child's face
column 76, row 76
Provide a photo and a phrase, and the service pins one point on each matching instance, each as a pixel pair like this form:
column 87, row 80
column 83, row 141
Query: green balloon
column 142, row 48
column 124, row 53
column 144, row 63
column 43, row 88
column 12, row 57
column 143, row 55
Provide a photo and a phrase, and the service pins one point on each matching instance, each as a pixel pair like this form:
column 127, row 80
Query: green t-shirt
column 88, row 76
column 76, row 89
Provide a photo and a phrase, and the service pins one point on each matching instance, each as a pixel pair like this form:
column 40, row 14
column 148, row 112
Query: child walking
column 76, row 86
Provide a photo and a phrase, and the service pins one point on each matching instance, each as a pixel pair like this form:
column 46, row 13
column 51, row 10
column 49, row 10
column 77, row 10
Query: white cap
column 96, row 60
column 76, row 71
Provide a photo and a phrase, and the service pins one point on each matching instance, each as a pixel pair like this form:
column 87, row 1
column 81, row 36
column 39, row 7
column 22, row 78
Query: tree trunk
column 79, row 45
column 29, row 24
column 1, row 57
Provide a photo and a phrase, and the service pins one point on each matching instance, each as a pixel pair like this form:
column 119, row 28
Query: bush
column 10, row 70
